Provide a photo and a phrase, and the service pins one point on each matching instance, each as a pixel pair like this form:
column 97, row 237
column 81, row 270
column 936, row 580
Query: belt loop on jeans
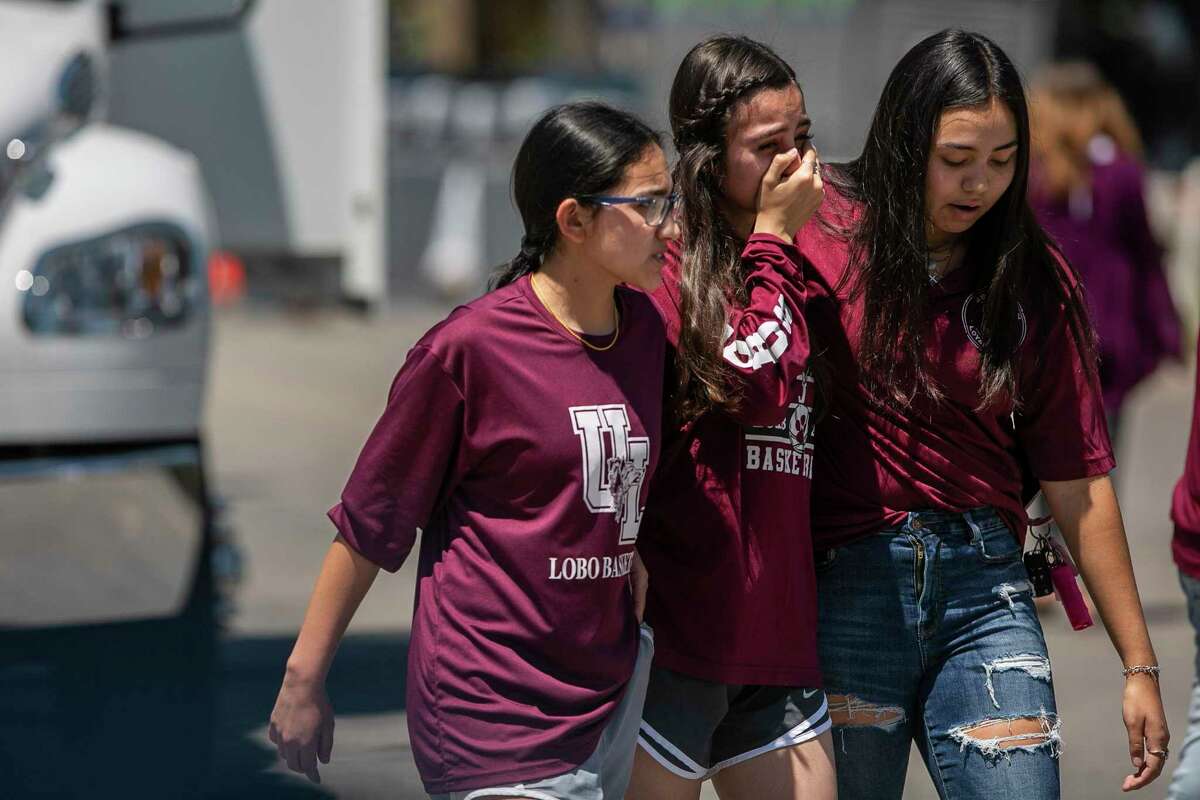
column 976, row 532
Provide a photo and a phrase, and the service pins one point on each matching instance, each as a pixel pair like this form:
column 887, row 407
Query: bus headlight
column 130, row 283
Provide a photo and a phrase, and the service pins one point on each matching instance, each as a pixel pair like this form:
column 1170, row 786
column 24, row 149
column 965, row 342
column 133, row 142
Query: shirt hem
column 1185, row 549
column 1010, row 515
column 490, row 780
column 1087, row 468
column 842, row 536
column 808, row 677
column 345, row 528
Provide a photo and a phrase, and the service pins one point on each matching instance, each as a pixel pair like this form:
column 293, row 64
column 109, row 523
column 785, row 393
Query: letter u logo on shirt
column 614, row 465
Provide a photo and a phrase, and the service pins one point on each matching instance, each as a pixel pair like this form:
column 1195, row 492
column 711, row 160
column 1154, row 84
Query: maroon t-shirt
column 725, row 539
column 1185, row 505
column 524, row 457
column 879, row 460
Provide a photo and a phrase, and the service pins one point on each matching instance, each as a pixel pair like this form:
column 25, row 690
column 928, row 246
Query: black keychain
column 1039, row 561
column 1051, row 572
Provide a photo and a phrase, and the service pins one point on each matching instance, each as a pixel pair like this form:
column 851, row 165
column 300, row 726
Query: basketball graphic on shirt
column 786, row 447
column 614, row 465
column 972, row 320
column 799, row 421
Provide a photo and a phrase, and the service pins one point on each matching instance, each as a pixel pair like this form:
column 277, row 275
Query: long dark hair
column 1012, row 256
column 573, row 149
column 712, row 78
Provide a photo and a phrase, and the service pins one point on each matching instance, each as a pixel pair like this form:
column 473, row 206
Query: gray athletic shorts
column 696, row 728
column 605, row 774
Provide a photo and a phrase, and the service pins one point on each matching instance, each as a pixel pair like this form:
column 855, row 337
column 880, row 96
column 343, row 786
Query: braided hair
column 573, row 149
column 713, row 77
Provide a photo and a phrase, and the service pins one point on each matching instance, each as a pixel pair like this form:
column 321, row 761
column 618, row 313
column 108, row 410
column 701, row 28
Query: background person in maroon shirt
column 960, row 352
column 735, row 689
column 1185, row 511
column 1087, row 189
column 519, row 436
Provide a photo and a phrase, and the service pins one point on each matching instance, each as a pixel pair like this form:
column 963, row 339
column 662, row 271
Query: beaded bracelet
column 1148, row 669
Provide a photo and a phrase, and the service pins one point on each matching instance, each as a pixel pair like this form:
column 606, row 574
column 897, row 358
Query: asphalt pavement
column 294, row 394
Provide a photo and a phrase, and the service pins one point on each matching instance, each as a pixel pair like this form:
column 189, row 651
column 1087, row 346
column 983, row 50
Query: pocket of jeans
column 998, row 546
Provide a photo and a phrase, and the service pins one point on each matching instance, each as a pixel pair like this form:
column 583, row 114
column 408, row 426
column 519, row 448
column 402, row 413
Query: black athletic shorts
column 696, row 728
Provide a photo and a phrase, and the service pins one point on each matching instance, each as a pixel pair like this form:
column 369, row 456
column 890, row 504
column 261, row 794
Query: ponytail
column 527, row 260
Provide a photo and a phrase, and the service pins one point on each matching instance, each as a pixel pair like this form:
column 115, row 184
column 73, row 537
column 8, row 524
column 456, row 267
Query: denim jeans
column 928, row 631
column 1185, row 784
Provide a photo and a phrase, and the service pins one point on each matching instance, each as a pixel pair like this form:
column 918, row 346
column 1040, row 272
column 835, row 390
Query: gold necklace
column 568, row 329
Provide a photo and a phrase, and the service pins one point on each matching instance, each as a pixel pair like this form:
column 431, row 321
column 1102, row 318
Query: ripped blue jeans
column 928, row 633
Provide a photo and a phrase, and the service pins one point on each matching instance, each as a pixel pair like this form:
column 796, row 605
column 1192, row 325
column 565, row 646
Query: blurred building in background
column 362, row 149
column 469, row 76
column 287, row 116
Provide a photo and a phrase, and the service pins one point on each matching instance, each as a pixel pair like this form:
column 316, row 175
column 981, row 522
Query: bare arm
column 302, row 722
column 1087, row 513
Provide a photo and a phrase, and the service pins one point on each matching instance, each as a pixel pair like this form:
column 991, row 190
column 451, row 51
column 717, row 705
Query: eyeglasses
column 656, row 209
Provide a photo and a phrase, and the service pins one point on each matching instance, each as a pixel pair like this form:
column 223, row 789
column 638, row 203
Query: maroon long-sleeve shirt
column 726, row 533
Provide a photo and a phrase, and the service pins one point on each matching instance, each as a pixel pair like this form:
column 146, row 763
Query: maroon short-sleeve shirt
column 878, row 460
column 525, row 459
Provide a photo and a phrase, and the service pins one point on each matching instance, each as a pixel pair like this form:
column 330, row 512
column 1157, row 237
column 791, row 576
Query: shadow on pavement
column 86, row 721
column 368, row 677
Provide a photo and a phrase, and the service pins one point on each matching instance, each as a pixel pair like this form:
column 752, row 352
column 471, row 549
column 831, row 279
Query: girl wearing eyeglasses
column 735, row 690
column 519, row 436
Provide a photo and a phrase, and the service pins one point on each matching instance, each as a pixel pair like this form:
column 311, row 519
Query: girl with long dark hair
column 963, row 371
column 735, row 690
column 518, row 436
